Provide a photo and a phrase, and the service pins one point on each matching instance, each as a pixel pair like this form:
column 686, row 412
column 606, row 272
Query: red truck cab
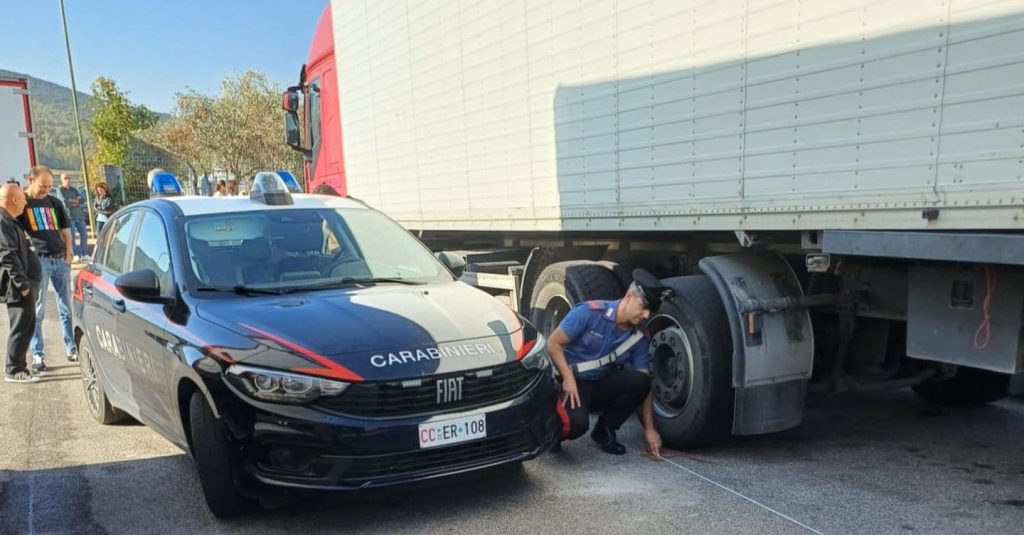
column 320, row 140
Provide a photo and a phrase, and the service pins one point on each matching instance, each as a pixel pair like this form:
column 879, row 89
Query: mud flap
column 772, row 351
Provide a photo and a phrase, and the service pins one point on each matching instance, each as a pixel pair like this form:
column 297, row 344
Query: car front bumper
column 301, row 447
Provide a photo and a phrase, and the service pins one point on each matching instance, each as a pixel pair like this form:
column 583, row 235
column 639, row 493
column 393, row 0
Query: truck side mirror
column 452, row 261
column 291, row 131
column 290, row 100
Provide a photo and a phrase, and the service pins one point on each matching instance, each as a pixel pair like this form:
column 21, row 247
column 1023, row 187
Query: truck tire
column 216, row 461
column 95, row 395
column 691, row 361
column 564, row 284
column 970, row 387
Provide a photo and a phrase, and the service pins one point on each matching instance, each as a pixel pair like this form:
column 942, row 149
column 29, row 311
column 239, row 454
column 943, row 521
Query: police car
column 303, row 341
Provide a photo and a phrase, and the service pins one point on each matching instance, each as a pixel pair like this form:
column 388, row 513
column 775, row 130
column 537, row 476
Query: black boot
column 605, row 437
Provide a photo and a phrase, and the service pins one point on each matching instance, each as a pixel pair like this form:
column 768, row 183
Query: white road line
column 751, row 500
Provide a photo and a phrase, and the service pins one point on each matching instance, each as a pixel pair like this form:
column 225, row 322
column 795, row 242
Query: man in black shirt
column 47, row 225
column 20, row 273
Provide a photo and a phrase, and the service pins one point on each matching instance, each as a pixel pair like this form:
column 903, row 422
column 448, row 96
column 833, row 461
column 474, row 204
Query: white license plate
column 453, row 431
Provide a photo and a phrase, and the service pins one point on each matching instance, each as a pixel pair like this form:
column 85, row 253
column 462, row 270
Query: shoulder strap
column 610, row 358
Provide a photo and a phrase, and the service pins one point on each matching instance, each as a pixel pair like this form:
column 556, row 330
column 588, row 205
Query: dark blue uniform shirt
column 591, row 328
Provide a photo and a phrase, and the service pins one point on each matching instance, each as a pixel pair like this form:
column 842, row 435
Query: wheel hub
column 90, row 382
column 673, row 371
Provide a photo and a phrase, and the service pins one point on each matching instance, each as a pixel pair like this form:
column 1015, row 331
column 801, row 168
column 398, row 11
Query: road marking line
column 751, row 500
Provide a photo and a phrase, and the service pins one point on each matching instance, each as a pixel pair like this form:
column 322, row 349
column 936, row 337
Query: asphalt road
column 885, row 463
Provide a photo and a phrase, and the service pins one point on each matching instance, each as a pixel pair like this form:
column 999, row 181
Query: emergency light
column 164, row 185
column 289, row 180
column 268, row 188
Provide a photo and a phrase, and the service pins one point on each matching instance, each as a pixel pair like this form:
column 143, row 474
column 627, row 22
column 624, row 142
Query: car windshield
column 305, row 249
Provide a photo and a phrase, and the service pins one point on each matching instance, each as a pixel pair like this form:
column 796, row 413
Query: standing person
column 589, row 348
column 47, row 225
column 75, row 204
column 103, row 204
column 20, row 273
column 204, row 186
column 222, row 189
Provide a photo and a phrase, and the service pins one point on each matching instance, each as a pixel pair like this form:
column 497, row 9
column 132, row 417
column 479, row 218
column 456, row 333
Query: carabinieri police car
column 303, row 341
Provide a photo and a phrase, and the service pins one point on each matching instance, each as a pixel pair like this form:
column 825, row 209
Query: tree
column 114, row 122
column 182, row 133
column 240, row 130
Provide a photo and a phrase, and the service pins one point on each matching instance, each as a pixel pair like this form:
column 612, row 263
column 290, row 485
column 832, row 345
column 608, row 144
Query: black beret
column 649, row 288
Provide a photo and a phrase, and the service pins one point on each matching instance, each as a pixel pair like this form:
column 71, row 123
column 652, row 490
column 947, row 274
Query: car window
column 118, row 250
column 99, row 254
column 152, row 252
column 303, row 247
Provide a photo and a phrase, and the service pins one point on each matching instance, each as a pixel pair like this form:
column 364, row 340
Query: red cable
column 986, row 323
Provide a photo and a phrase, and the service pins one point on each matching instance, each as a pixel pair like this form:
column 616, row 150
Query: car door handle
column 119, row 305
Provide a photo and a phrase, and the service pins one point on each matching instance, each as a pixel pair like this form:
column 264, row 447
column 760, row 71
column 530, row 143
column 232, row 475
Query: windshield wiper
column 351, row 281
column 241, row 290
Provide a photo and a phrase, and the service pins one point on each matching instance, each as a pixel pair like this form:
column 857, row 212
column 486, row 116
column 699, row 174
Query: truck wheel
column 95, row 395
column 691, row 361
column 970, row 387
column 564, row 284
column 215, row 461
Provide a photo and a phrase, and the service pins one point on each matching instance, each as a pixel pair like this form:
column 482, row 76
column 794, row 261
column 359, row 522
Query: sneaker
column 76, row 258
column 23, row 376
column 73, row 356
column 39, row 368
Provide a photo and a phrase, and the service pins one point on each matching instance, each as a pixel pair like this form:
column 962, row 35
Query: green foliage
column 239, row 130
column 114, row 121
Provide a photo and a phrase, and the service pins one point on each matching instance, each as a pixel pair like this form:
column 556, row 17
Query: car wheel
column 691, row 361
column 216, row 461
column 95, row 395
column 564, row 284
column 970, row 387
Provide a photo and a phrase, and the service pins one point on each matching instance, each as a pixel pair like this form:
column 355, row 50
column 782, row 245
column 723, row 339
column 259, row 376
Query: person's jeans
column 58, row 272
column 79, row 244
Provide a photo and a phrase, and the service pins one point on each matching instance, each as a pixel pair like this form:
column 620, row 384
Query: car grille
column 392, row 399
column 492, row 449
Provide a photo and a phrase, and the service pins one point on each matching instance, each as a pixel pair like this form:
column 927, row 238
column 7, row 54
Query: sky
column 156, row 48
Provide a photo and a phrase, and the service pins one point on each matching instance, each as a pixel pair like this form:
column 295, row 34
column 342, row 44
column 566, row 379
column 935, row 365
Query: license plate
column 453, row 431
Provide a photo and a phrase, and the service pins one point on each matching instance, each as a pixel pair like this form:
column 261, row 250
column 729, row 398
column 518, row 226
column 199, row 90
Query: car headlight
column 537, row 358
column 282, row 387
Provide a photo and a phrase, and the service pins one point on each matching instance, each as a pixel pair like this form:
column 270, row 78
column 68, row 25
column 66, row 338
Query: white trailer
column 17, row 144
column 834, row 189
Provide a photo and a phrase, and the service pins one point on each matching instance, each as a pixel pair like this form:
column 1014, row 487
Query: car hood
column 385, row 331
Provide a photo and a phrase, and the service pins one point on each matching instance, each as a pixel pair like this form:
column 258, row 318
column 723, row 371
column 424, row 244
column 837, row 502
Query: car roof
column 199, row 205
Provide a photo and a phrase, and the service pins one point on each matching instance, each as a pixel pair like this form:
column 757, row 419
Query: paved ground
column 859, row 464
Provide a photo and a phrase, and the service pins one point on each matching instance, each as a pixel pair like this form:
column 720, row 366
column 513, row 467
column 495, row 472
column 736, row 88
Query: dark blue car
column 303, row 341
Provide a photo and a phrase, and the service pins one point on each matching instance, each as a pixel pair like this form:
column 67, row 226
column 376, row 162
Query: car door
column 144, row 325
column 104, row 303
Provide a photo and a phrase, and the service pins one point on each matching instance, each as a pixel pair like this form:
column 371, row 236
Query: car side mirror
column 453, row 262
column 141, row 285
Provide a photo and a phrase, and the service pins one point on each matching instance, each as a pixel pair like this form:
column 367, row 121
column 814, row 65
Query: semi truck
column 832, row 190
column 17, row 143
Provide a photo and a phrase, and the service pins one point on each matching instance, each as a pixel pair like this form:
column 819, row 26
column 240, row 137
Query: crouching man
column 590, row 350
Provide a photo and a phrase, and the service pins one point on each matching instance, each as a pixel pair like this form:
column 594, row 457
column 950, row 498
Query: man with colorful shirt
column 47, row 224
column 591, row 350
